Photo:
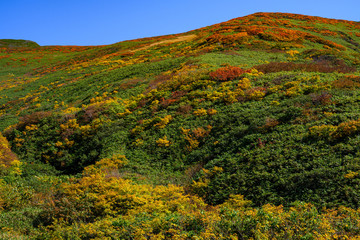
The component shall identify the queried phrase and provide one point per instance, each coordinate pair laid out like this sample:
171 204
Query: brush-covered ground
248 129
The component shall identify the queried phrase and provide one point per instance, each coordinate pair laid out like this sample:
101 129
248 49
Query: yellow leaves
125 113
19 141
2 112
69 143
163 142
292 53
200 187
72 123
31 127
193 143
8 160
138 129
163 122
107 165
351 175
71 110
244 84
116 161
195 135
255 94
328 114
108 196
139 142
274 103
347 128
84 129
331 132
211 111
322 130
236 202
3 142
200 112
15 167
254 72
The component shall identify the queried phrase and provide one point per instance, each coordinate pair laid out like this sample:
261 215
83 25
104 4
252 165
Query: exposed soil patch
178 39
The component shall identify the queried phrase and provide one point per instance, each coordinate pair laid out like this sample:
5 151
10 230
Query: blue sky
97 22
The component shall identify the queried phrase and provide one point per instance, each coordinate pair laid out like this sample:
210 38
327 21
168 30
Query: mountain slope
265 106
12 43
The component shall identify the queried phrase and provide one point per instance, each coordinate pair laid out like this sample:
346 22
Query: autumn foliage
227 73
7 157
246 129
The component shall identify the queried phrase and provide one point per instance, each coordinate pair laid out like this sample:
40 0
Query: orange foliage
348 82
322 66
231 39
283 35
227 73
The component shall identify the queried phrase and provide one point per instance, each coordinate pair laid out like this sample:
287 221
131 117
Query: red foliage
5 56
283 35
185 109
227 73
127 54
33 118
230 39
175 96
130 83
323 98
159 80
323 66
328 43
348 82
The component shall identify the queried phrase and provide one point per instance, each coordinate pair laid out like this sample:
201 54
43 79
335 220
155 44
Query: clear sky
98 22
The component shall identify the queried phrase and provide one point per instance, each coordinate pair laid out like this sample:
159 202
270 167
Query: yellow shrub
211 111
200 112
255 94
351 175
163 142
8 160
322 131
244 84
31 127
163 122
292 52
236 202
115 162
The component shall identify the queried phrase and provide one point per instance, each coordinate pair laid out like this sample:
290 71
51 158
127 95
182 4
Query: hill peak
15 43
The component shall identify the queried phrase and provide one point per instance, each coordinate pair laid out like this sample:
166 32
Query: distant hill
13 43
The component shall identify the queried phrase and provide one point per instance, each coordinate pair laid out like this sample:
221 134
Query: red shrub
323 98
185 109
348 82
227 73
32 118
322 66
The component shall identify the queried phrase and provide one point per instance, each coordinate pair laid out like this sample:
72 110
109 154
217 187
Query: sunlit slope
270 101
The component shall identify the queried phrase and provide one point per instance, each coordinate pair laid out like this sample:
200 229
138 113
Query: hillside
243 129
12 43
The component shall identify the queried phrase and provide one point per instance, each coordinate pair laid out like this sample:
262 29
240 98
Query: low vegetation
247 129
